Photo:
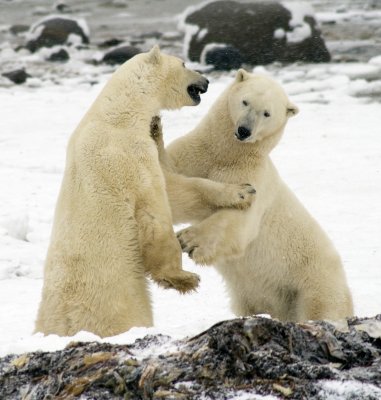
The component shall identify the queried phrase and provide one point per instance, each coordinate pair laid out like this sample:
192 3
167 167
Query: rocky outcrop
263 32
256 355
60 55
120 54
55 31
18 28
17 76
221 57
110 43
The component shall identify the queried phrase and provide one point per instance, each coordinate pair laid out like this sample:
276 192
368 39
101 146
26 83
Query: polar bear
274 257
193 199
112 225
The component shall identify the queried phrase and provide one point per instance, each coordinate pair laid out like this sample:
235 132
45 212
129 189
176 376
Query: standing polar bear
113 224
274 257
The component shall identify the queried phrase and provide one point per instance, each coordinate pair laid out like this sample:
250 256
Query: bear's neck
127 102
224 141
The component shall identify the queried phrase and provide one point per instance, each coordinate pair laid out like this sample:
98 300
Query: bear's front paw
201 252
182 281
239 196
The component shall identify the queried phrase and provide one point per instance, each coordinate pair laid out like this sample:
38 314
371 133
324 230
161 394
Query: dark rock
311 49
119 3
223 58
62 7
60 56
120 55
110 43
17 76
152 34
18 28
40 11
258 30
136 41
260 355
55 31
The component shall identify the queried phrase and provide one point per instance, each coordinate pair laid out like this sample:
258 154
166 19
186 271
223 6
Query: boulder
263 32
246 357
54 31
110 43
17 76
151 34
59 56
120 54
62 7
18 28
222 57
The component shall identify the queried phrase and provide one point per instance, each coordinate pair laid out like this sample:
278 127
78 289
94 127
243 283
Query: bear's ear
153 56
242 75
292 109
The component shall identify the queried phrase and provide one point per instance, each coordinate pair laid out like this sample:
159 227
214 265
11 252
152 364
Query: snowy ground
330 156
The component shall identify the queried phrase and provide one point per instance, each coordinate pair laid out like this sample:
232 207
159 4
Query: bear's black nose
242 133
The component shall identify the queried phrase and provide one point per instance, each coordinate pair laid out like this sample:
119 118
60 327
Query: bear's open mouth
196 89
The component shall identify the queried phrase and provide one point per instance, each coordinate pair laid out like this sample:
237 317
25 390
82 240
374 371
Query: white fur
113 222
275 257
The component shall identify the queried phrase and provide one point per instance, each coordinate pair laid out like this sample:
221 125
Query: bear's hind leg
333 306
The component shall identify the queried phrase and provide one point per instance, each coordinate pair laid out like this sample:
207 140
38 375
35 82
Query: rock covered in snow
18 28
60 55
61 6
263 32
110 43
17 76
53 31
314 360
120 54
222 57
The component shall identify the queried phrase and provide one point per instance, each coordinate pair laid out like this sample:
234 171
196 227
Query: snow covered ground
330 156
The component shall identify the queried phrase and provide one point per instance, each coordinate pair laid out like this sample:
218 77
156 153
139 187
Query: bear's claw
190 244
238 196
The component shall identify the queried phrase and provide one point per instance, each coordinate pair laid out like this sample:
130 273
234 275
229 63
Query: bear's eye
245 103
266 114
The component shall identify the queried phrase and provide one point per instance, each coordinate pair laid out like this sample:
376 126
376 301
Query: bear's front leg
161 250
166 270
156 239
162 258
194 199
224 234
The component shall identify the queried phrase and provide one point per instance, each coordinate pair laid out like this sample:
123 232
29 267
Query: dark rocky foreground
256 355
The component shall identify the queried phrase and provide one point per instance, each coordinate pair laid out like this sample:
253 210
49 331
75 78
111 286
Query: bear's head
178 85
258 107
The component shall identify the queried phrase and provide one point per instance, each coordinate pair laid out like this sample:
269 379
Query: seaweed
255 354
